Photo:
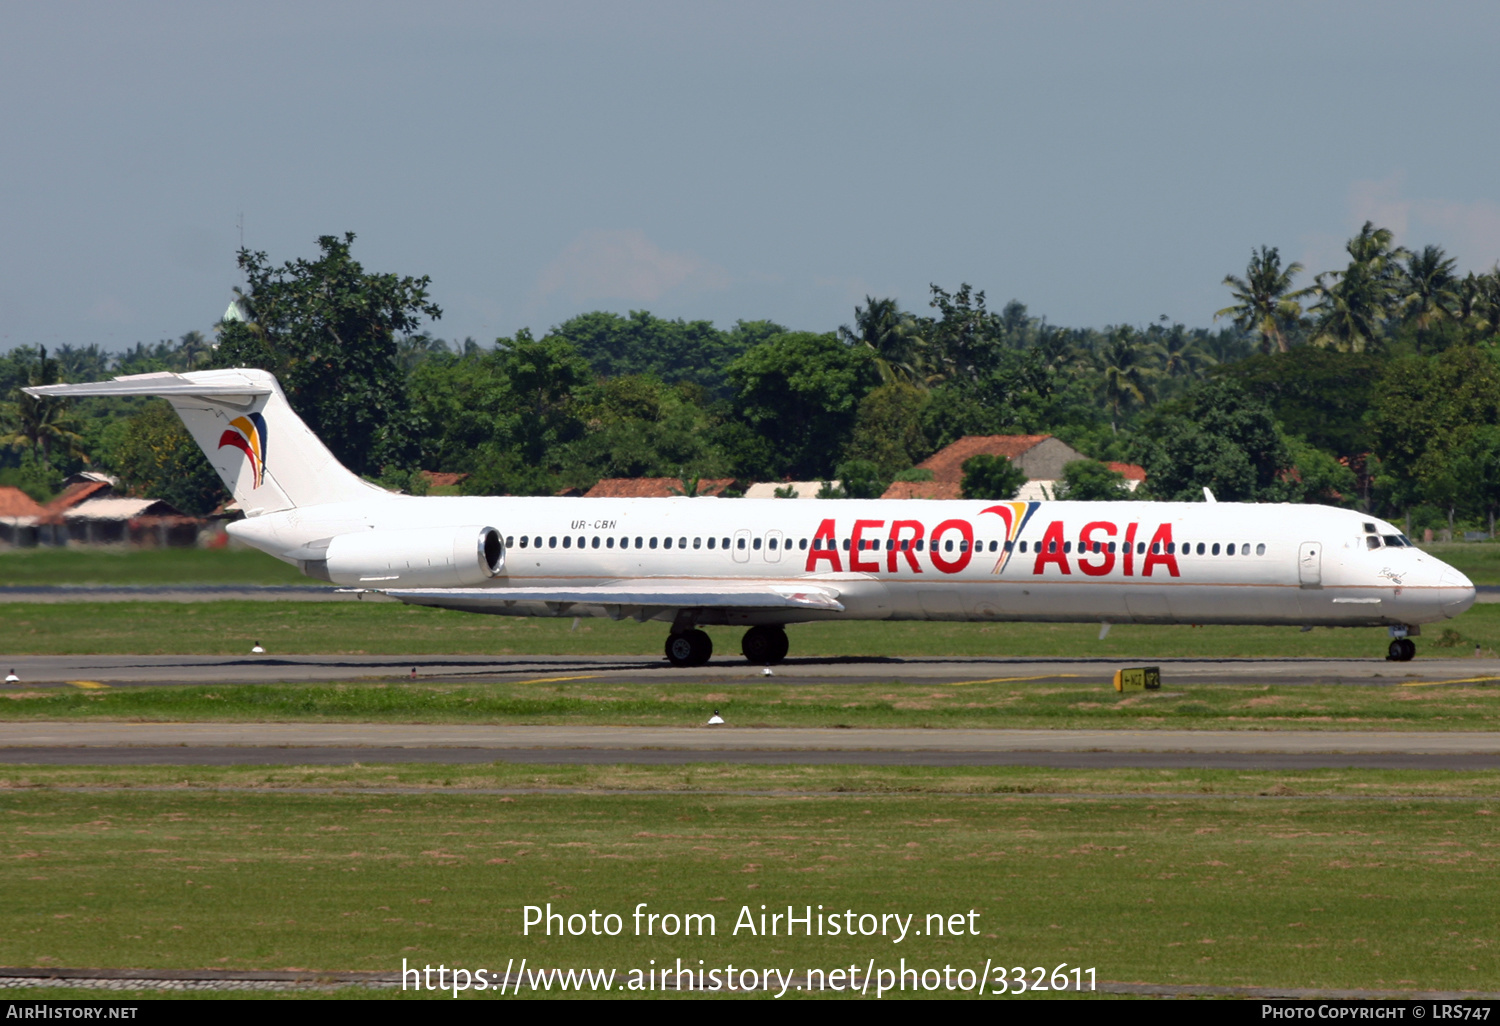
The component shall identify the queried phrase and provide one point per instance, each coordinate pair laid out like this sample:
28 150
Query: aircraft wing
622 599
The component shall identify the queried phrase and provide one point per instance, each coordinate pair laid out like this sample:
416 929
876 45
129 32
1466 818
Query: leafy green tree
1215 436
1091 481
156 457
1425 415
991 477
888 427
965 339
1321 395
673 351
861 479
1267 303
328 331
801 391
1319 476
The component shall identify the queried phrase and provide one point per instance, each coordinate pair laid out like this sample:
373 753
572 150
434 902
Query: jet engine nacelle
427 557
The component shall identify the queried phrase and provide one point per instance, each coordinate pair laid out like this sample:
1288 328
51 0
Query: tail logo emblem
248 434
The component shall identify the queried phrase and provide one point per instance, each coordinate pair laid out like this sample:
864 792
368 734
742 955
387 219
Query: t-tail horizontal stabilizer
267 457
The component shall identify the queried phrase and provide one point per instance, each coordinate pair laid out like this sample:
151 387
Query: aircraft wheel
1401 650
765 645
690 648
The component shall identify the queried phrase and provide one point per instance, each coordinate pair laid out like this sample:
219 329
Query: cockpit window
1394 541
1372 542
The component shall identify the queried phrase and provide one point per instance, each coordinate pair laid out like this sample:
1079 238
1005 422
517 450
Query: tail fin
267 457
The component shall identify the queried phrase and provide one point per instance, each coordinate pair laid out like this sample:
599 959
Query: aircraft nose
1455 592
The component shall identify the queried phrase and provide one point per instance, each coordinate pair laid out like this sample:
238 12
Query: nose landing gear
1401 650
765 645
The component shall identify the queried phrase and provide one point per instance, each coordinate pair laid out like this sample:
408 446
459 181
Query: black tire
764 646
1401 650
703 646
680 649
1410 648
689 648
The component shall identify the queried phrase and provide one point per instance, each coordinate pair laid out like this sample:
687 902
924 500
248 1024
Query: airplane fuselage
1116 562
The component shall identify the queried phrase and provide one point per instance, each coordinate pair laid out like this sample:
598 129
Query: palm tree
193 348
891 337
1127 364
1182 354
1354 304
1430 288
1266 298
37 425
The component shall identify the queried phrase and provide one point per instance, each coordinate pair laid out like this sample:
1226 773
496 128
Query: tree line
1372 386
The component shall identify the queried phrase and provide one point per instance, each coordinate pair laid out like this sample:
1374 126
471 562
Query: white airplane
762 564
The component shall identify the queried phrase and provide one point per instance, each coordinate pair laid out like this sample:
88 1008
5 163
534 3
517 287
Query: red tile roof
924 490
652 487
442 479
947 464
16 503
1130 471
81 492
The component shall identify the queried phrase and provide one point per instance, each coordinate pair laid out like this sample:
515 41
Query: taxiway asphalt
128 743
127 670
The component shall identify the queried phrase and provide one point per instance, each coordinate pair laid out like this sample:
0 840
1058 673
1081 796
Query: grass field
290 628
1011 704
116 565
120 565
1388 893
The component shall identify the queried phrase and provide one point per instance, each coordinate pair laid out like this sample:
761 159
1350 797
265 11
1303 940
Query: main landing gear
765 645
689 648
761 646
1401 650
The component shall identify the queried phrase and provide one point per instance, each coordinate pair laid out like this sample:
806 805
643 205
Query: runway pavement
114 743
124 671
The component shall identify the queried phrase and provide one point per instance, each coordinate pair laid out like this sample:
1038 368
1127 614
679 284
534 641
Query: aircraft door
773 547
1310 565
741 546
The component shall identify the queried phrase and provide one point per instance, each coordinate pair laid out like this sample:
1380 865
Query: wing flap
681 595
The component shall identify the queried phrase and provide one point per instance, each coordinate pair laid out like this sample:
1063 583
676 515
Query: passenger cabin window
1260 550
741 543
524 540
755 544
609 543
1200 548
1216 548
653 542
710 543
725 544
698 543
510 540
666 543
682 543
552 543
1230 550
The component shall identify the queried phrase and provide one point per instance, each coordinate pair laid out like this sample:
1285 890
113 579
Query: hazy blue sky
1100 162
